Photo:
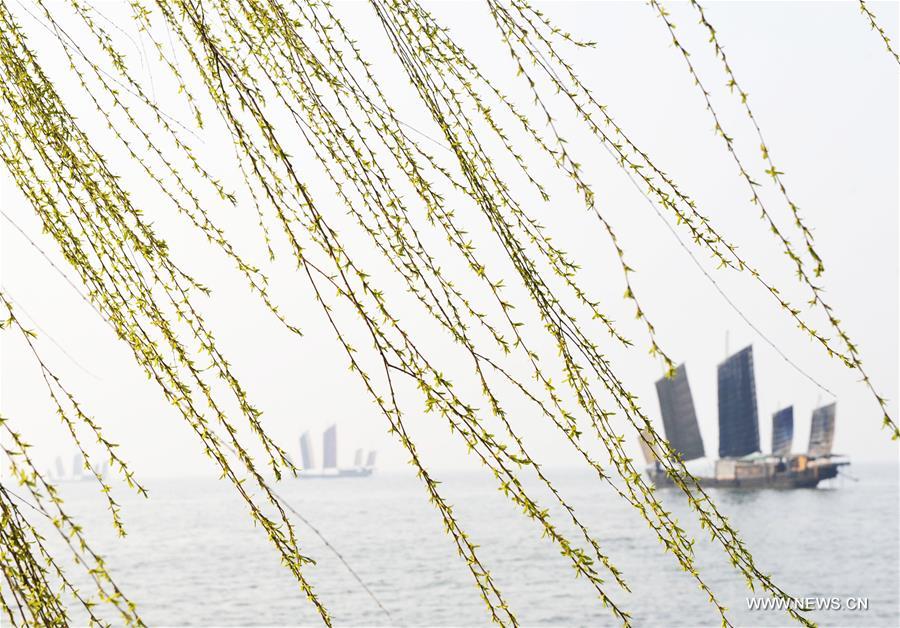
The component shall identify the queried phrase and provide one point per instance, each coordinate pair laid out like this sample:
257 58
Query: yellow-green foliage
254 59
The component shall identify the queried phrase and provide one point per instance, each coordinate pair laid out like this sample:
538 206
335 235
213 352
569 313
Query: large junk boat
330 467
741 463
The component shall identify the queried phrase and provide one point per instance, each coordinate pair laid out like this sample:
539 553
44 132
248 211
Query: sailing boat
79 473
330 467
741 463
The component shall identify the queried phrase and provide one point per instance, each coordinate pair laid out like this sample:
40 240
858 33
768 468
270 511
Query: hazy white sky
826 95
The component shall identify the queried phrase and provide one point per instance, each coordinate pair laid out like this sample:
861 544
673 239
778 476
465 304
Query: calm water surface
192 557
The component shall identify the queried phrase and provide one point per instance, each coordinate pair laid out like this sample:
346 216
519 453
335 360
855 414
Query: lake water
191 556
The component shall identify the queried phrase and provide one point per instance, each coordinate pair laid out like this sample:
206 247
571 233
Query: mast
738 418
782 431
306 452
679 417
821 433
329 448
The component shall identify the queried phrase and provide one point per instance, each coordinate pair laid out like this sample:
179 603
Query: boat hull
337 475
763 476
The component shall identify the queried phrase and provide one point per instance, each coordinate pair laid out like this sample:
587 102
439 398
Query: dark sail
329 448
738 419
679 418
782 431
821 434
370 459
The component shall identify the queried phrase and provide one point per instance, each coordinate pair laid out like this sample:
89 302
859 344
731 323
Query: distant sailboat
741 463
79 473
330 468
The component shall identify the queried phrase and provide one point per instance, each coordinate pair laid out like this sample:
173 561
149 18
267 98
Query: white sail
649 456
358 458
370 461
329 448
101 468
306 452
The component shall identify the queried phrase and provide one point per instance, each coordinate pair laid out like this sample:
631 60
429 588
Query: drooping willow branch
875 26
526 33
256 63
125 267
752 185
34 576
850 355
772 171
